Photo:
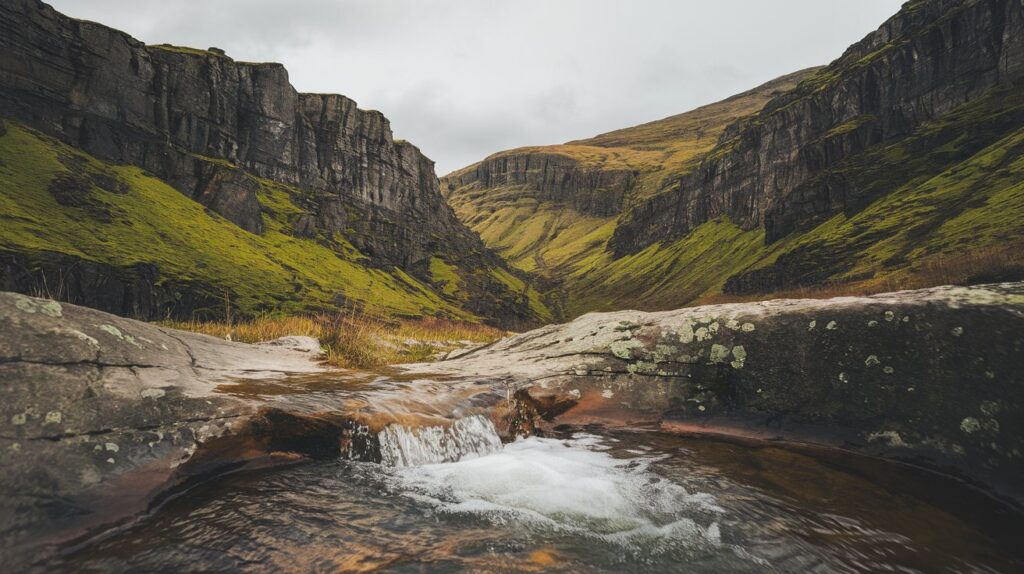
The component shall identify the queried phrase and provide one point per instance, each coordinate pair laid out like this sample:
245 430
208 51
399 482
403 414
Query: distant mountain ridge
904 151
312 170
551 209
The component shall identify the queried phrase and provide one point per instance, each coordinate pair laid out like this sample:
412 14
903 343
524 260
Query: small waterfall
401 446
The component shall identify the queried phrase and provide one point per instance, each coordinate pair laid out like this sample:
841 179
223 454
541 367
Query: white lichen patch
643 368
832 326
812 325
718 353
663 353
91 340
53 418
844 378
748 327
702 334
112 330
957 331
713 327
686 334
732 325
739 355
888 370
152 393
607 394
871 361
623 349
889 316
32 306
50 308
872 323
970 425
18 419
112 447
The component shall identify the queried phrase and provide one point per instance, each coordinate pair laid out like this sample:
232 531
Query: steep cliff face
218 131
551 209
775 169
899 165
590 187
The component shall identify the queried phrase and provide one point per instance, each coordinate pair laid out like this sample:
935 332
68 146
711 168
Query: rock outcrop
102 418
777 170
102 414
545 175
214 127
932 376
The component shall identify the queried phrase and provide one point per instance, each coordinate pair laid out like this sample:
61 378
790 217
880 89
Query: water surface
607 502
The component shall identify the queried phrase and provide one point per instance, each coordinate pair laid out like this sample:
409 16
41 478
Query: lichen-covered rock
99 415
935 375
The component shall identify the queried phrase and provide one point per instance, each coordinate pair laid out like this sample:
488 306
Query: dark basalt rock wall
772 170
590 190
191 117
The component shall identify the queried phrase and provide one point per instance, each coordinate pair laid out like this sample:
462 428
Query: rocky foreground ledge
933 376
102 418
99 415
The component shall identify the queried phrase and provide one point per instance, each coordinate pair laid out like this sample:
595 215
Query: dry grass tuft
357 341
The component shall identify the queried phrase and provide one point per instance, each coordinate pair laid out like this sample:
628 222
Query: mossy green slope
57 200
553 240
954 186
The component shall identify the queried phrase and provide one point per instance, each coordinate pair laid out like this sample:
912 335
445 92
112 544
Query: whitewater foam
573 486
467 437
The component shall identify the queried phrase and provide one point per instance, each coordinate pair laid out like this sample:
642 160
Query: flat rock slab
935 376
100 414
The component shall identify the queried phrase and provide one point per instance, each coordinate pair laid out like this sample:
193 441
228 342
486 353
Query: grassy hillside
948 206
944 204
553 240
58 201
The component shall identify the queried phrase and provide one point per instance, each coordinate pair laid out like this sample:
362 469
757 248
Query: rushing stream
458 500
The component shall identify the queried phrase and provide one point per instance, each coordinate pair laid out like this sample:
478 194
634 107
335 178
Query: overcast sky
465 78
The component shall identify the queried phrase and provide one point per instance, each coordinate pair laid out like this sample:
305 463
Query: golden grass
357 341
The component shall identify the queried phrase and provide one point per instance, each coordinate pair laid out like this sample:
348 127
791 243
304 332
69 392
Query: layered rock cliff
896 166
589 187
549 208
218 130
775 170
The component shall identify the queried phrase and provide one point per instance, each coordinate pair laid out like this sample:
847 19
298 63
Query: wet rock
949 383
99 414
